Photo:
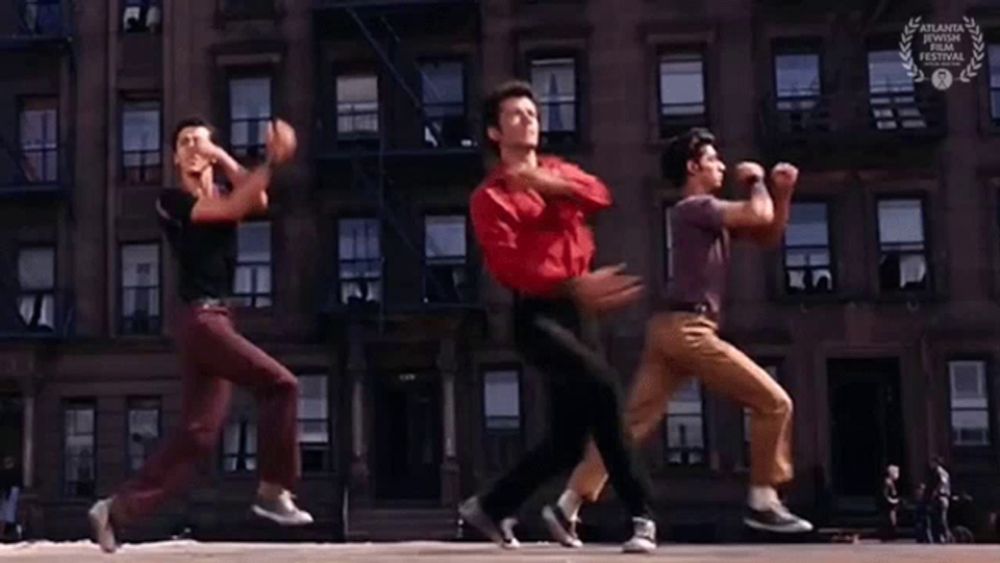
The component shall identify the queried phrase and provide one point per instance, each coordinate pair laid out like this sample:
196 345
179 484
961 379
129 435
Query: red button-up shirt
530 244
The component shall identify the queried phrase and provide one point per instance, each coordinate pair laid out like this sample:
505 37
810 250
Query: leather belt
696 308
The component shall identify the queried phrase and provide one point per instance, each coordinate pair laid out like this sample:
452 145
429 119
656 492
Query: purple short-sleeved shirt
700 252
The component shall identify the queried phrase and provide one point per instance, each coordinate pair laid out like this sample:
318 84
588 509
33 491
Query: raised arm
248 193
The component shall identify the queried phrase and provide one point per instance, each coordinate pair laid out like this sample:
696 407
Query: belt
207 303
696 308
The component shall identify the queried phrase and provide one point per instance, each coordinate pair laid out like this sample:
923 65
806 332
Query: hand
208 150
749 173
281 141
783 179
605 289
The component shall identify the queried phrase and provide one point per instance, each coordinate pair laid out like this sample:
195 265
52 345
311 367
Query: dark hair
493 101
193 121
682 148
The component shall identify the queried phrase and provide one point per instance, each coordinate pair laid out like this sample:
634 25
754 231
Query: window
902 249
682 92
140 296
771 370
252 282
891 93
40 140
444 252
502 414
42 17
443 94
797 90
554 83
314 422
78 449
796 80
357 106
239 445
141 16
668 242
249 114
141 142
143 430
994 58
36 276
360 261
970 410
686 426
807 250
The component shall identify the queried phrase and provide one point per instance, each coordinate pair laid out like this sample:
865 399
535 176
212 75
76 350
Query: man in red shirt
528 216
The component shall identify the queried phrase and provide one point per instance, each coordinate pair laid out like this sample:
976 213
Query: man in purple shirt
683 342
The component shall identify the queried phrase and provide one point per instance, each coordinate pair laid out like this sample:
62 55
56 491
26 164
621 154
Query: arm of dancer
783 180
236 174
248 187
563 180
496 226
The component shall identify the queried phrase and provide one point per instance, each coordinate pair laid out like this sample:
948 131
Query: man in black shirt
200 224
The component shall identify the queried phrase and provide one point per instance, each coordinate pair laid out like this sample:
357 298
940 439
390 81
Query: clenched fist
783 179
281 142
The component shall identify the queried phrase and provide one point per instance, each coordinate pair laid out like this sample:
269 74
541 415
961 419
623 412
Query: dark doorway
11 433
408 436
866 426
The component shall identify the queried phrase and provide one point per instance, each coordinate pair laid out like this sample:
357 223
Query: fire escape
35 157
420 136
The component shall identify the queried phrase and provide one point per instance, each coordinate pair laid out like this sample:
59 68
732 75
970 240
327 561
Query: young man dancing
684 342
528 216
200 224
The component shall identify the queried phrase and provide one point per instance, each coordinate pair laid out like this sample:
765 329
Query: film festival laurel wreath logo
941 50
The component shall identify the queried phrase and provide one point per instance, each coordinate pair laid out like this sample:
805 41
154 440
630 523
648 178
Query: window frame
71 404
830 249
685 452
130 403
327 449
157 321
341 260
668 126
991 427
254 299
568 138
155 171
931 284
495 438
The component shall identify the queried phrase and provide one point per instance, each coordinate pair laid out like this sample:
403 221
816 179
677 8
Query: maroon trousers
213 357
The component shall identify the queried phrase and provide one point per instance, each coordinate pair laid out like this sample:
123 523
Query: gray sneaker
502 534
100 522
282 510
643 537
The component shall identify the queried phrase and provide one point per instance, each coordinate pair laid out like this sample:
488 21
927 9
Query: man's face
709 170
894 472
518 122
188 156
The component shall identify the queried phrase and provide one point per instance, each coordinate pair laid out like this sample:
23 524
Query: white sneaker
643 538
100 521
472 512
282 510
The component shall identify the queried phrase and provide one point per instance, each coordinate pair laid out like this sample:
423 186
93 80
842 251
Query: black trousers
584 400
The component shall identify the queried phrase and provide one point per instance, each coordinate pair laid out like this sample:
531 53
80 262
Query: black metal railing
853 118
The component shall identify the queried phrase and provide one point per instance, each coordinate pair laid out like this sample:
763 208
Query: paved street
420 552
